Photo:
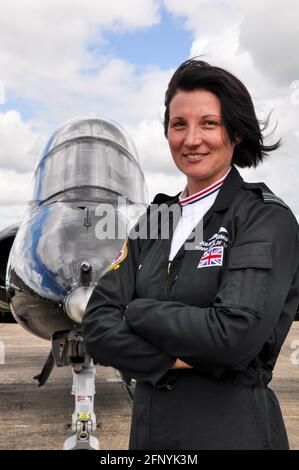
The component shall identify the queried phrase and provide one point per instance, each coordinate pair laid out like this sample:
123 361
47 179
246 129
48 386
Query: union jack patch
212 257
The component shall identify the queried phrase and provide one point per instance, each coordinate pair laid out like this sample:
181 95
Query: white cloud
256 41
117 91
280 172
19 151
153 148
62 71
269 31
10 215
164 183
15 187
203 16
47 42
2 93
48 38
227 34
160 172
20 145
54 68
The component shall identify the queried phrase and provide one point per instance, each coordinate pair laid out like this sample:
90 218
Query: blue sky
27 108
165 44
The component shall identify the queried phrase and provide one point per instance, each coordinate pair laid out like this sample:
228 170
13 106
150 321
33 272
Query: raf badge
119 258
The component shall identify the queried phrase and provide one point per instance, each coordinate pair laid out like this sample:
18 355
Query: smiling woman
200 326
198 141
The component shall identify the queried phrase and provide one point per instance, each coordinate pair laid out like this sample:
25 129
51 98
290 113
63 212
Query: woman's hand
181 365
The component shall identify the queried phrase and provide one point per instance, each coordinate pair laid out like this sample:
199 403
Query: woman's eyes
178 124
210 123
207 123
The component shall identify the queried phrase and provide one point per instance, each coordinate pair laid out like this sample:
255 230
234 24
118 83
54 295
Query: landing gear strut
68 349
83 418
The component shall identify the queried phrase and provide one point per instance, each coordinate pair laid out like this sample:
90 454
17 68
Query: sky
63 58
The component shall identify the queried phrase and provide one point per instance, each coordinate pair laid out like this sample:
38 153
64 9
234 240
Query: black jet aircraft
50 262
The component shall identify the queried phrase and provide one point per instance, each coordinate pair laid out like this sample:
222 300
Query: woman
200 327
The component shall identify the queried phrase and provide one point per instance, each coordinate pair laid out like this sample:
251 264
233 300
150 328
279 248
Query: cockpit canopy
90 152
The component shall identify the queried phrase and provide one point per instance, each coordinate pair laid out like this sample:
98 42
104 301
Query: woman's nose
193 137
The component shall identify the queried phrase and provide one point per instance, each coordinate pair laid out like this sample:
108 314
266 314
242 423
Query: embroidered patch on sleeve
119 258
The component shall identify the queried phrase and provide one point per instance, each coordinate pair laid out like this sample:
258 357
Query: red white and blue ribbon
203 193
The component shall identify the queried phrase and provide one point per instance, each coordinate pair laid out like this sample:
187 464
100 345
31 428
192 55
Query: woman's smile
195 156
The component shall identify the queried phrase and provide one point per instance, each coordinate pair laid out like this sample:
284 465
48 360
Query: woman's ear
238 138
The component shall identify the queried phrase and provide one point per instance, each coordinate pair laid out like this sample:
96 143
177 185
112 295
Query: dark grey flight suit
228 319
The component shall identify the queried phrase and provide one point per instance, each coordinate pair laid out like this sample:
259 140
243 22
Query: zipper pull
168 267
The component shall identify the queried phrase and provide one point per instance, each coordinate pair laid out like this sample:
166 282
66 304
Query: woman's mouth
193 157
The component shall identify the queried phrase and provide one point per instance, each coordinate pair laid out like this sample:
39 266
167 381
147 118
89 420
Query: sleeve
107 337
262 273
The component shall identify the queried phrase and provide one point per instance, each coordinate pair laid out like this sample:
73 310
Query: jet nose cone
76 302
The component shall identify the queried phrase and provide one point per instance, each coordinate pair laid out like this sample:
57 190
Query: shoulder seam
265 192
270 197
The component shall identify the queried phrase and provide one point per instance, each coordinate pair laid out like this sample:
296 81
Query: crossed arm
146 337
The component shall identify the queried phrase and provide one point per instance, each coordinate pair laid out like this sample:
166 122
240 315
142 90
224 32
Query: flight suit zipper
169 382
167 278
170 280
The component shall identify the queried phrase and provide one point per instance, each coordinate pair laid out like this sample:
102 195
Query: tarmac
35 417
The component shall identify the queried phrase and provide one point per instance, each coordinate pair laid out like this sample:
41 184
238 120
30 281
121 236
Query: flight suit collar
225 196
228 190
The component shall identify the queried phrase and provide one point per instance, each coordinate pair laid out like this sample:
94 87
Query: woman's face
198 142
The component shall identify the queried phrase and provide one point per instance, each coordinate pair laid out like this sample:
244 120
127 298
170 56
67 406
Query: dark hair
238 114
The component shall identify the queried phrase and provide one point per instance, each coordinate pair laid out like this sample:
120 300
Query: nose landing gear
83 418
